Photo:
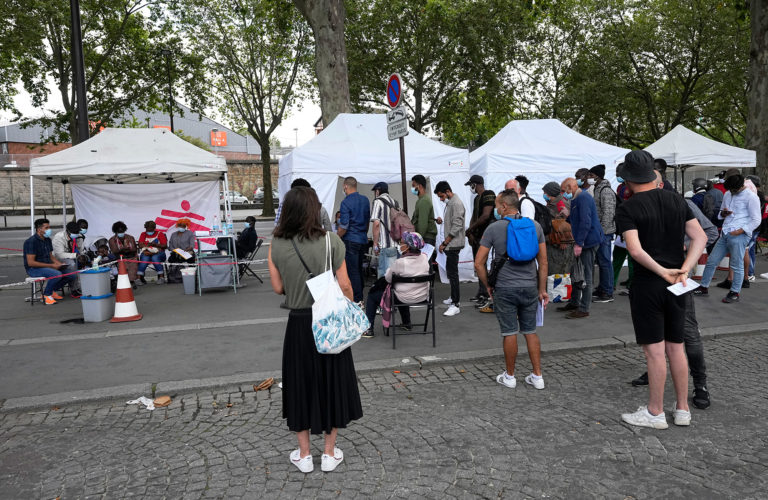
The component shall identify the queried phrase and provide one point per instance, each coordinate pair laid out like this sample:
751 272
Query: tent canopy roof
546 146
681 146
128 155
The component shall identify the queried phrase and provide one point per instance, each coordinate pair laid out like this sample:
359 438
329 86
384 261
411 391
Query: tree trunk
266 176
326 18
757 119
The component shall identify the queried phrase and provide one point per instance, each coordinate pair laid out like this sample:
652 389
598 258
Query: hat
475 179
381 187
551 188
731 172
413 240
598 170
638 167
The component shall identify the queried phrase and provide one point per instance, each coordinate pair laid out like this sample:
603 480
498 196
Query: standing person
587 235
699 186
605 202
582 181
620 253
423 217
654 222
152 245
559 257
384 246
181 239
713 200
741 216
325 220
750 275
527 210
482 216
320 393
353 231
123 246
453 242
519 290
40 262
660 165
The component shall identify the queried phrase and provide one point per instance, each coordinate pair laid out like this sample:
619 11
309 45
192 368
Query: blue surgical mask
496 213
568 196
73 236
619 180
121 235
48 232
546 197
415 191
150 233
181 229
83 231
579 182
246 225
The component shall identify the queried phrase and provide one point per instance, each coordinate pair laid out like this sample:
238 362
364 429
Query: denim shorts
516 309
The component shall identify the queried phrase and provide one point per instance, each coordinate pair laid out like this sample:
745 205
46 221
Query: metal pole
402 175
78 70
64 204
32 203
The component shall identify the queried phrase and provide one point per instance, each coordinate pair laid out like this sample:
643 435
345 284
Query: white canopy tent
543 151
357 145
115 162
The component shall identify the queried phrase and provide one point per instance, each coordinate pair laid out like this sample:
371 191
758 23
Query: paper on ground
679 289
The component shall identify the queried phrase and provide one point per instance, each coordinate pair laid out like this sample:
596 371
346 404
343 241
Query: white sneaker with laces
510 382
538 383
305 464
452 311
751 278
681 417
643 418
448 301
328 463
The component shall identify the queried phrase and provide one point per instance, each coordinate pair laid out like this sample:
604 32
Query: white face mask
591 181
473 189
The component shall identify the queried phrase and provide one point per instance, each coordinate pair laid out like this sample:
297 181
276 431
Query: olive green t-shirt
292 271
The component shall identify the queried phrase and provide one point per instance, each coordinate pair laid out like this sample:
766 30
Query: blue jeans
752 244
515 309
727 244
54 283
604 263
386 257
156 259
354 258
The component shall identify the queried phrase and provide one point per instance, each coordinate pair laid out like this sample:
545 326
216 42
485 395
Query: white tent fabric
357 145
543 151
681 146
131 155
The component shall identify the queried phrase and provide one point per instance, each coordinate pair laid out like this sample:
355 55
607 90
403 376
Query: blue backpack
522 242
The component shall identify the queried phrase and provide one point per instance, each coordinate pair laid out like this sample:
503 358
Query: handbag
337 322
561 232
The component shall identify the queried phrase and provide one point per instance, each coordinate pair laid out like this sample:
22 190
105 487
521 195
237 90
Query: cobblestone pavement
435 432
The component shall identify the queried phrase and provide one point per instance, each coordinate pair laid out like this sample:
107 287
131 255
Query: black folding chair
245 267
428 304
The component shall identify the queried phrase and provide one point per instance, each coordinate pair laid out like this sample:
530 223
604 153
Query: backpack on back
522 242
398 220
541 214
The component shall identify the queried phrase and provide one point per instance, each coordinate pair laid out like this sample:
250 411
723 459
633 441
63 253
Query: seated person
123 246
103 257
246 241
152 245
181 239
40 262
411 262
68 247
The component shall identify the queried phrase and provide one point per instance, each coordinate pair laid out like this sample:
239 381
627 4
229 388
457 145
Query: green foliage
196 141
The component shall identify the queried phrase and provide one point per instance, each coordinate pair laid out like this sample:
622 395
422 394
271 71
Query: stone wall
246 177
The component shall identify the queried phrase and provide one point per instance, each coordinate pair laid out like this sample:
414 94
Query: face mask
73 236
568 196
546 198
181 229
579 182
121 235
150 233
473 189
496 214
83 231
415 191
619 180
48 232
246 225
591 181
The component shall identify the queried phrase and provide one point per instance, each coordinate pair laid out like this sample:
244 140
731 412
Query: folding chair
428 304
245 268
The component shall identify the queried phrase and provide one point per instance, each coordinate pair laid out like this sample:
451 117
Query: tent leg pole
64 204
227 206
32 203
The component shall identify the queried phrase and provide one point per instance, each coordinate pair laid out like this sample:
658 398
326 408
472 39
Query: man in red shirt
152 245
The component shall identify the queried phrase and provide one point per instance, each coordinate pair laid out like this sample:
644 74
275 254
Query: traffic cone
125 305
698 273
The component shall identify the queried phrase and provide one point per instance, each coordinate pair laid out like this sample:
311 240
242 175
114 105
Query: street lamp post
167 53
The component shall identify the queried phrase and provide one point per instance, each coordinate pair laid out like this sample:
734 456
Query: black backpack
541 215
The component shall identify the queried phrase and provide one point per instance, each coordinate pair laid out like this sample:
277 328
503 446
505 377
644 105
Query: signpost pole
402 175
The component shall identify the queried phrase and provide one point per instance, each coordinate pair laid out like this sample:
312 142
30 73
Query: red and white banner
104 204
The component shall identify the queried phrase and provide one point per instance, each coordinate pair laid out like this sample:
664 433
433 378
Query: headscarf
186 222
414 241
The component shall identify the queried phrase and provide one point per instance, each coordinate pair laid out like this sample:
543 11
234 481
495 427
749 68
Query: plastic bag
559 287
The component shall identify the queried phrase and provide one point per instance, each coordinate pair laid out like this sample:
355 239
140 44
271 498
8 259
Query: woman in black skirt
320 391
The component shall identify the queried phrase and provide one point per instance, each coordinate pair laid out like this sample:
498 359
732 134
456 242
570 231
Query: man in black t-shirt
482 216
654 222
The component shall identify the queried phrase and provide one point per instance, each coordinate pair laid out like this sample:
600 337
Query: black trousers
452 270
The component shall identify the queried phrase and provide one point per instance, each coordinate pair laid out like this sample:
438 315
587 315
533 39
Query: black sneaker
407 328
701 398
368 334
641 380
143 281
701 291
603 297
479 298
482 303
745 284
731 297
726 283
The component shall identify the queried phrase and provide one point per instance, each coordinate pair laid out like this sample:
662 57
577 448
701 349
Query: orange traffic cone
125 305
698 273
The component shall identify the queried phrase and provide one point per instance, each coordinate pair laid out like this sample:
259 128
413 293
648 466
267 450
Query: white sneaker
682 417
510 382
305 464
160 281
751 278
452 311
643 418
764 275
536 382
448 301
328 463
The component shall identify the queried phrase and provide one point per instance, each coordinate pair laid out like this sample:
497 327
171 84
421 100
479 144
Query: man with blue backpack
517 282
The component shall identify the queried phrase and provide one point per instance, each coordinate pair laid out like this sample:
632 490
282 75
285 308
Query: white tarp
682 146
357 145
543 151
104 204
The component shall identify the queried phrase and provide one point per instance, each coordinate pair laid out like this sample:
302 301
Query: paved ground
442 431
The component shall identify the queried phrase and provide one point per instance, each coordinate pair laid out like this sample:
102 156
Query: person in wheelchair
409 263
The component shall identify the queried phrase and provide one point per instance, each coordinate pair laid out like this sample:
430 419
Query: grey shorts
515 309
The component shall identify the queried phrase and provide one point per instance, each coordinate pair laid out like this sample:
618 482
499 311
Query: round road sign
394 90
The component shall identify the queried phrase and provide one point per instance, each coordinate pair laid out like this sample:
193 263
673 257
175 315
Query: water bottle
230 226
215 227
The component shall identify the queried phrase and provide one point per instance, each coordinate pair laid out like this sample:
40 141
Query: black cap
638 167
381 187
475 179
